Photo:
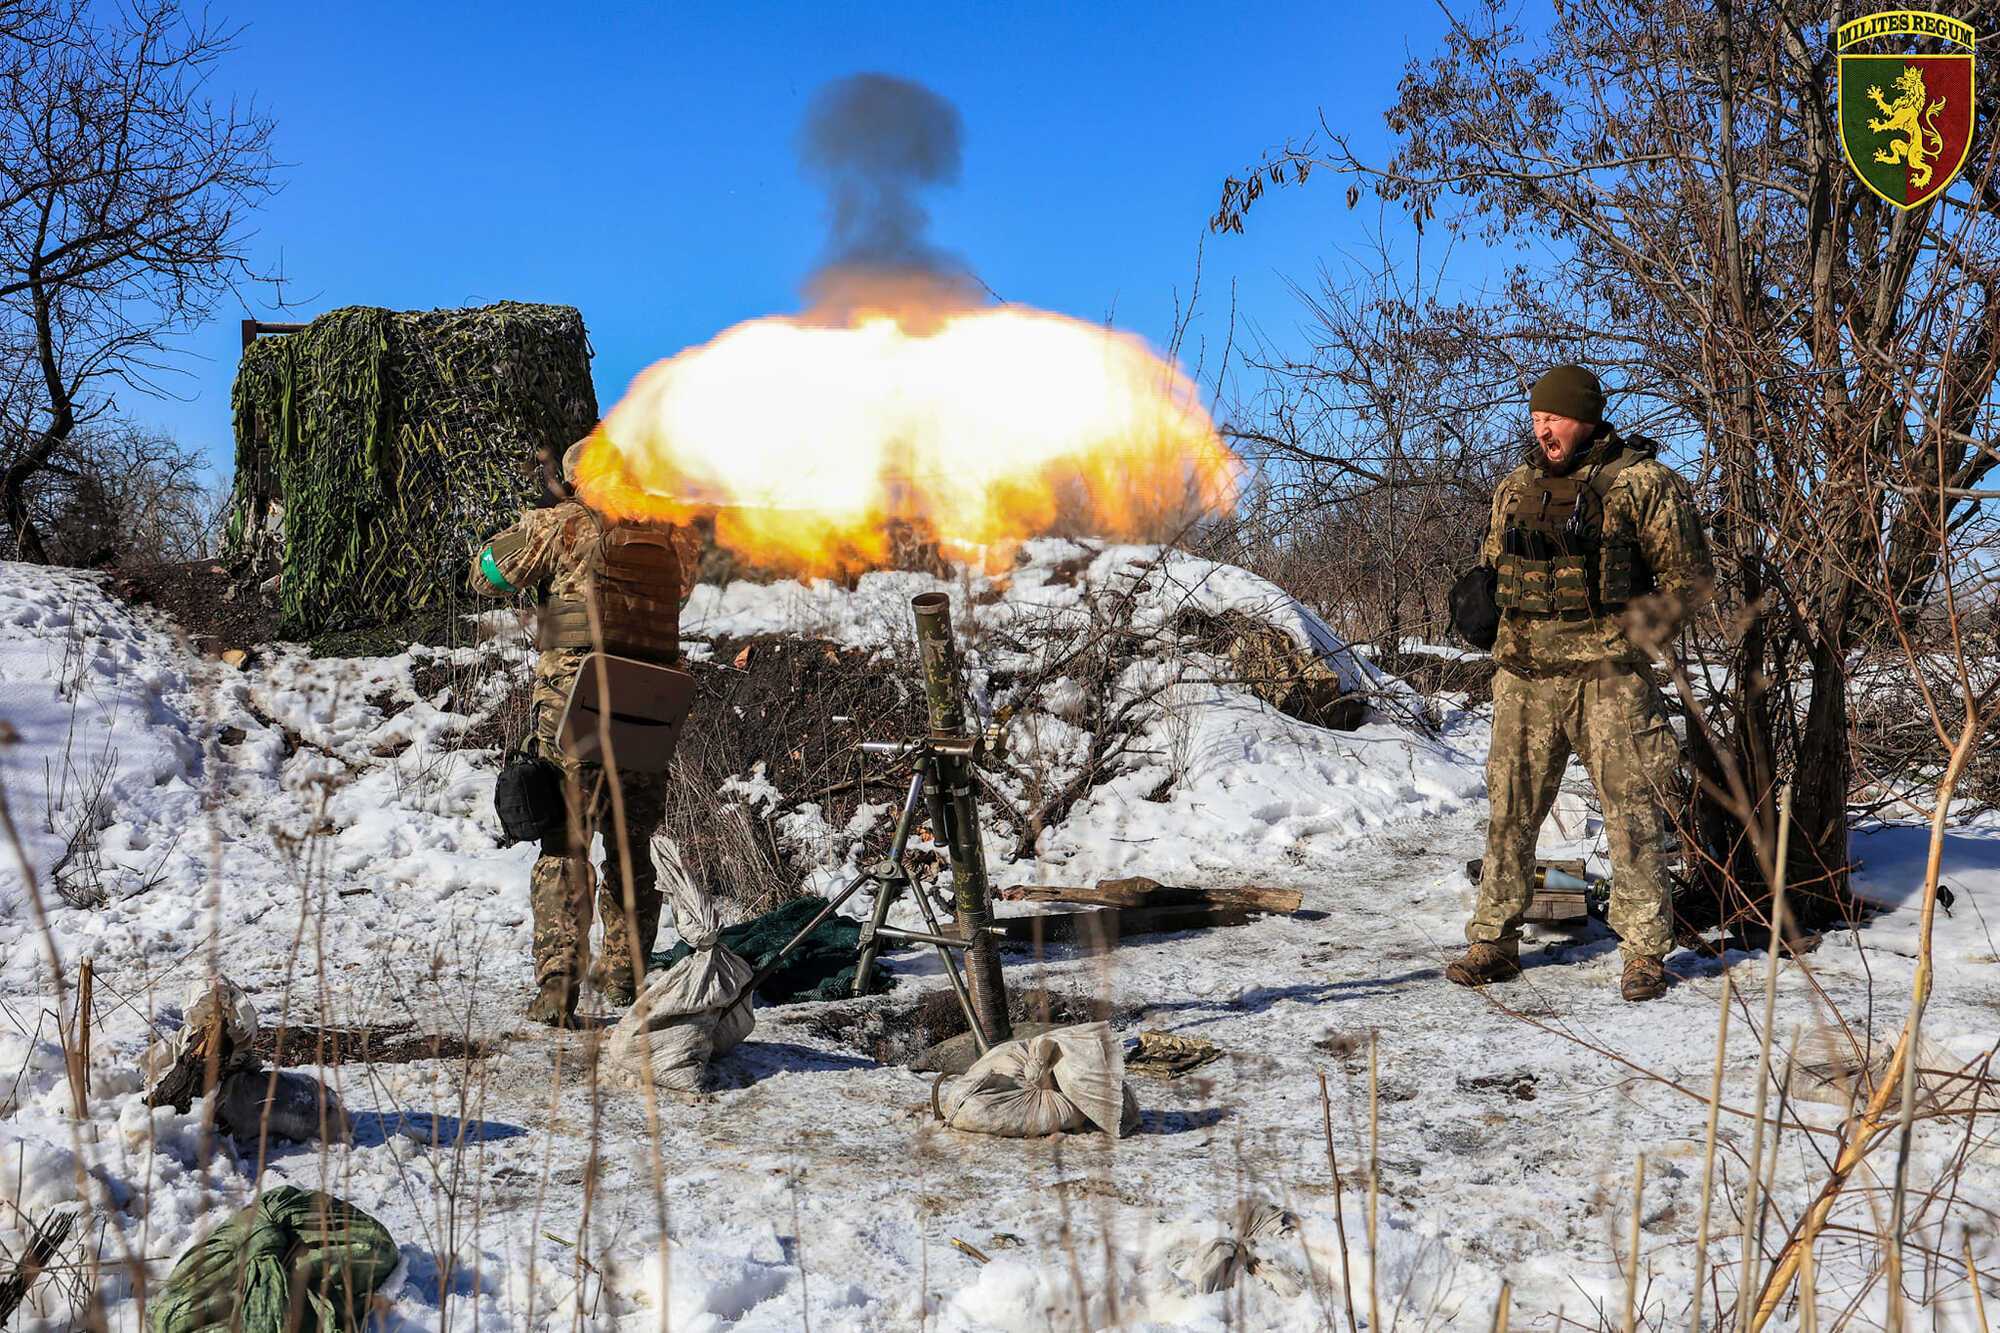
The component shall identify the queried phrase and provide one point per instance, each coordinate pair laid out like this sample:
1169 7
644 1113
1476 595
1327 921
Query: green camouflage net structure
394 443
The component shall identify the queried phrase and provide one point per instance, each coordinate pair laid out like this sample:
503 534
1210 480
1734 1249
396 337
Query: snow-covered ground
297 826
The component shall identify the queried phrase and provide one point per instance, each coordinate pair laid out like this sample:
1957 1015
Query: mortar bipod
891 877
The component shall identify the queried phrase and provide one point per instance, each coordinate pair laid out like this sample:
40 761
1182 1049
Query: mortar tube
938 652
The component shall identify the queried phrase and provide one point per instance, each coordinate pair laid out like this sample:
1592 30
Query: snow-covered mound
1135 745
322 832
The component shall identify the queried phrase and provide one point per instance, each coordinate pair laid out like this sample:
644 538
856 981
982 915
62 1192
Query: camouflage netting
393 443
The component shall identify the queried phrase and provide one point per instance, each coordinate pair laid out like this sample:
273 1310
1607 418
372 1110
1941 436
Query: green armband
491 569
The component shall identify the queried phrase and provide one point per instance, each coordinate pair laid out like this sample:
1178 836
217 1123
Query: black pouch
1475 607
1623 572
528 797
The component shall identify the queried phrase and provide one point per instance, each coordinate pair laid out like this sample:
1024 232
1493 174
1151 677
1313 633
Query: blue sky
638 161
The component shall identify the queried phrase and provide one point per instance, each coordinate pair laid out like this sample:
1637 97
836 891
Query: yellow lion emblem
1913 116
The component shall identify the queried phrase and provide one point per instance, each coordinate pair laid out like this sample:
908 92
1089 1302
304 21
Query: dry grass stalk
1339 1211
1874 1121
76 1045
1897 1215
1972 1277
1708 1154
1374 1183
628 904
1752 1196
1632 1272
1808 1297
1778 1124
1500 1311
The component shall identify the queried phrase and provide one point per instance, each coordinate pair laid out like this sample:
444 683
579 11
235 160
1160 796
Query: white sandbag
239 1015
205 998
1264 1244
697 1009
298 1109
1063 1081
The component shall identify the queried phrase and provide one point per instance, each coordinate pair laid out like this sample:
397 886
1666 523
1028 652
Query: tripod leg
950 968
885 895
888 885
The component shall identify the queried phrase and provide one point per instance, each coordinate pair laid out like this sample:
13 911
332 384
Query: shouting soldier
615 587
1599 557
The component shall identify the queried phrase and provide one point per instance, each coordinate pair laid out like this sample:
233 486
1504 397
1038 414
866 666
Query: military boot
1483 962
554 1003
614 981
1644 979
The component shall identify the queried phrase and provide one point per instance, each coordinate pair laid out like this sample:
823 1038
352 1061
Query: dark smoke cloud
874 143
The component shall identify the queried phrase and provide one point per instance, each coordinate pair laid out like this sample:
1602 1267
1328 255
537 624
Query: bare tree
1677 166
123 189
1377 449
115 493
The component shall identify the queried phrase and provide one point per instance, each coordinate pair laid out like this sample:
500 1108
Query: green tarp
298 1262
821 968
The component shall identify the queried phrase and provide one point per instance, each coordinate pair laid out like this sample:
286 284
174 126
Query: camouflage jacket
627 573
1652 502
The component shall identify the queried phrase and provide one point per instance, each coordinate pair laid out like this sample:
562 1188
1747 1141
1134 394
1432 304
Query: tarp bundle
821 968
395 442
298 1260
697 1009
1060 1082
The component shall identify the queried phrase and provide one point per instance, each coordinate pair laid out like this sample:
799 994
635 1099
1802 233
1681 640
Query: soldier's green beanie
1568 391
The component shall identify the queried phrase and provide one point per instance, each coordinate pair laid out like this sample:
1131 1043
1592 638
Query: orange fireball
984 426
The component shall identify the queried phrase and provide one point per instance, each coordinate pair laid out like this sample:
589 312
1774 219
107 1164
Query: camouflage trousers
1616 724
562 885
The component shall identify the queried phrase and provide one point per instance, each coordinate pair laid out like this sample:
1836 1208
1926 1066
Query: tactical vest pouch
528 797
1523 585
1619 571
1569 583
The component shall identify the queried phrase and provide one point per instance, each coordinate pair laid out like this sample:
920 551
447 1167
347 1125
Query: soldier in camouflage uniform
616 586
1600 557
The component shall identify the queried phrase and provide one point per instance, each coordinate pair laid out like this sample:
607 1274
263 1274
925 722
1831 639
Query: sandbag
697 1009
297 1260
1060 1082
298 1109
1263 1243
220 1023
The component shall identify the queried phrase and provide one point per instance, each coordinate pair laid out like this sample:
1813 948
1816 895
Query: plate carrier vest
1555 557
635 575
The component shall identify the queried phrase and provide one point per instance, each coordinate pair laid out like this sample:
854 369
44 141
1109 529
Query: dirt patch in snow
205 600
381 1044
896 1031
1518 1086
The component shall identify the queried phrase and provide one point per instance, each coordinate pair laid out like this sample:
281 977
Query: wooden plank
1139 891
1100 928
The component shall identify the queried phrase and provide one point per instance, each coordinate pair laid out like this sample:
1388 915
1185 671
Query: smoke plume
874 142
